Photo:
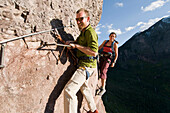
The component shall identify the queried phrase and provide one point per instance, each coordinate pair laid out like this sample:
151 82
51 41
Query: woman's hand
112 65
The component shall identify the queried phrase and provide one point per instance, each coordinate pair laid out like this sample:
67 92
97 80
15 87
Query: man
87 50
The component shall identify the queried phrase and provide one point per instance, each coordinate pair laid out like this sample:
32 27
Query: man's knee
68 93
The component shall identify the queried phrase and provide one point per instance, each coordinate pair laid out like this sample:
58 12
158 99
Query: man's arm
65 42
85 50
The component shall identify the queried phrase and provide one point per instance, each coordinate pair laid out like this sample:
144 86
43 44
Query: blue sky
127 17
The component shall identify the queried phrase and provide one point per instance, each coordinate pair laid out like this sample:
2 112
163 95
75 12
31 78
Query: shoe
102 91
96 111
97 91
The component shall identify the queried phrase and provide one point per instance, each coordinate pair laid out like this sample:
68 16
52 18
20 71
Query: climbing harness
101 50
84 68
106 55
87 73
87 58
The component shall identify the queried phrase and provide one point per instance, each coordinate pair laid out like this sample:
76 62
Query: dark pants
104 63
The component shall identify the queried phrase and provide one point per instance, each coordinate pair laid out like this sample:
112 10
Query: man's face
82 20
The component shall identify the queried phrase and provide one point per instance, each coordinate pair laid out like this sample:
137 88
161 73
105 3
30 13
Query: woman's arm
102 45
116 55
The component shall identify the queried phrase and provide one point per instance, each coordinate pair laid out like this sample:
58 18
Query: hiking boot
96 111
97 91
102 91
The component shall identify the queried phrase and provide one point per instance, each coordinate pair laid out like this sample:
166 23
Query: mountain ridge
139 83
149 43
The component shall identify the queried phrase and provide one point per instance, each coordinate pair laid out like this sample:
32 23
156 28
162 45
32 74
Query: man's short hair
84 10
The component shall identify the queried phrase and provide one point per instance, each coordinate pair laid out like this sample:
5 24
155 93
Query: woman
108 50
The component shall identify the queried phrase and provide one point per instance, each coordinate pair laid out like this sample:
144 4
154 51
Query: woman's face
112 37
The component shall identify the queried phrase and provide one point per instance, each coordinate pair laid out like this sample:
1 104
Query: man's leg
71 88
87 92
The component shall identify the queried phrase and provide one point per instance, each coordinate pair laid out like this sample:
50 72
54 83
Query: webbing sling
87 73
87 58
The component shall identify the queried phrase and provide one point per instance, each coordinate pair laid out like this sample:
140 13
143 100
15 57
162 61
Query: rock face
35 70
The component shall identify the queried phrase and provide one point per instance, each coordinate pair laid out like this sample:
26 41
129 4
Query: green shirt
88 38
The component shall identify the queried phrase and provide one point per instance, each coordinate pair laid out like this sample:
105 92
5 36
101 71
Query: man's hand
73 45
59 37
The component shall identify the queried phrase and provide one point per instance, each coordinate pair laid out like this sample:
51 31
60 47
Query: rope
21 37
63 45
61 53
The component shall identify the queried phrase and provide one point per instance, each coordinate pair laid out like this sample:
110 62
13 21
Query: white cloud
133 27
110 26
145 25
98 29
110 29
119 4
139 23
117 31
130 28
150 23
168 11
154 5
98 25
103 26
